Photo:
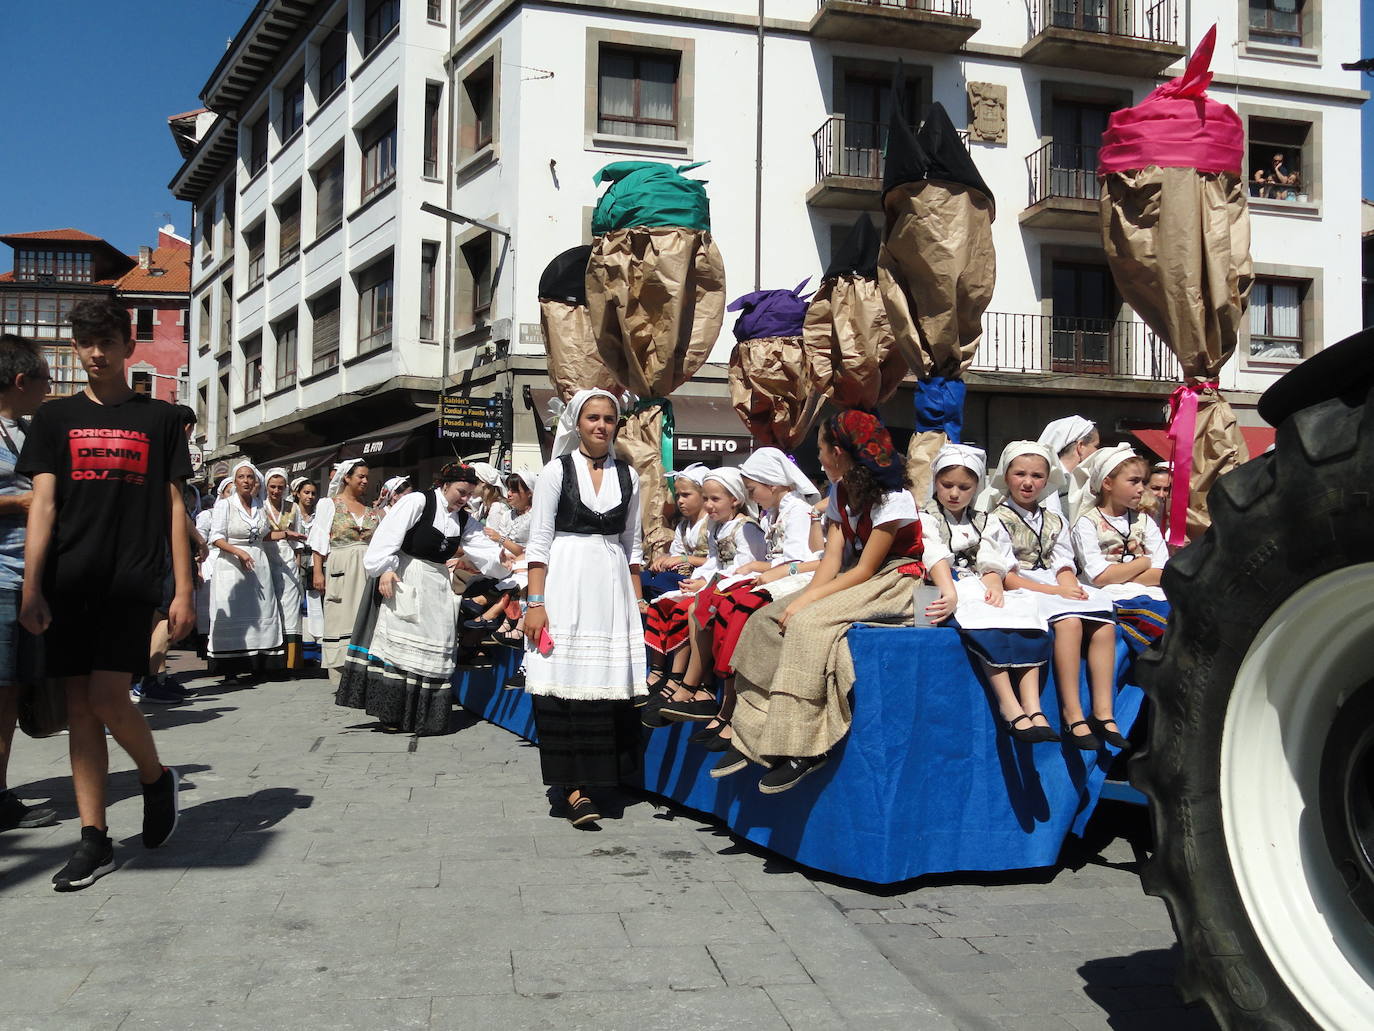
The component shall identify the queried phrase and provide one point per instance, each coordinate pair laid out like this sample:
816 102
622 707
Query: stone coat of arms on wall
987 112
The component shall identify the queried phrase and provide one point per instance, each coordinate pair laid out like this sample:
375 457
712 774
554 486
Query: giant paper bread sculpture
1176 226
770 382
574 363
656 299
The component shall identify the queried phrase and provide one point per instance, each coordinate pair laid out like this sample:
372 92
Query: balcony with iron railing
1108 350
1064 188
1126 37
849 164
941 25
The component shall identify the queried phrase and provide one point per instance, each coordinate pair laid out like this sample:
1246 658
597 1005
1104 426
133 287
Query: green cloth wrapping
649 193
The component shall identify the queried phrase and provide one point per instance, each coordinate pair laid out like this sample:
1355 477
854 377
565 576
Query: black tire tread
1279 522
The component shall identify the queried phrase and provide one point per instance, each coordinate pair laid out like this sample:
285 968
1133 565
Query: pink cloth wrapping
1177 126
1182 430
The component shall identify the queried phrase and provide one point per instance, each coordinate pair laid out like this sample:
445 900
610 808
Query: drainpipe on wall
448 195
758 163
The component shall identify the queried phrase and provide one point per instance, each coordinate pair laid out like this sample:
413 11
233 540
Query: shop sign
706 445
477 421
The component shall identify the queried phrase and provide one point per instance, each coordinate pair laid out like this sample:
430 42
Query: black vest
423 541
573 516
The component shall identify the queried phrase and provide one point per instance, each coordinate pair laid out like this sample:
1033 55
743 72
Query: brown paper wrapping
574 363
1178 243
656 298
920 453
936 272
640 442
848 344
771 390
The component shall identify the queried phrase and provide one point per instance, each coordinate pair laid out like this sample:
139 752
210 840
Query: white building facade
533 98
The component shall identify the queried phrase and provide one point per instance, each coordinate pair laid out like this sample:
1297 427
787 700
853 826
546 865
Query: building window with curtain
329 186
1277 21
252 369
375 303
1276 319
324 314
379 153
285 332
434 11
293 105
257 145
289 228
637 92
333 62
429 261
379 18
433 96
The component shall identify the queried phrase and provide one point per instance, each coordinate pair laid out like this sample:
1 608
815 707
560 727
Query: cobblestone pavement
329 876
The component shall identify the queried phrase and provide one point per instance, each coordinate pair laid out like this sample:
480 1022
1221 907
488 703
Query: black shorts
90 632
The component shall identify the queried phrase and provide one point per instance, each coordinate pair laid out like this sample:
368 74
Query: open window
1278 153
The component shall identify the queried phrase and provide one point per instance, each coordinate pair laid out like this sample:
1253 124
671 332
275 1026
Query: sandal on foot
693 709
1110 735
707 732
582 811
1087 742
650 713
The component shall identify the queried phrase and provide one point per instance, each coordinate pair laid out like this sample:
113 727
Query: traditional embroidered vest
906 542
345 529
573 515
283 519
692 539
1032 551
424 541
968 558
728 541
1113 544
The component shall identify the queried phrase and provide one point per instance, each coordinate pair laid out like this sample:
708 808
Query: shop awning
1258 439
390 439
301 463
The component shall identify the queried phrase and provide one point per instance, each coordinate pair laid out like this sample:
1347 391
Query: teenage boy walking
23 385
107 466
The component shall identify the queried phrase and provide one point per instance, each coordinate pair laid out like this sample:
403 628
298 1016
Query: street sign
197 458
479 421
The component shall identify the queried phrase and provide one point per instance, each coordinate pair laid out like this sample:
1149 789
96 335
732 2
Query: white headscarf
565 441
769 465
1015 450
261 493
296 483
526 476
341 472
228 481
491 476
730 478
277 470
1062 432
388 492
1093 470
974 459
694 473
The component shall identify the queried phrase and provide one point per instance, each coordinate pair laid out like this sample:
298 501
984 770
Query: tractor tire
1259 765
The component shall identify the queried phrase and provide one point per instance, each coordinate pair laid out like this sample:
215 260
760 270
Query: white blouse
1060 556
255 519
1095 563
962 536
384 550
794 517
549 488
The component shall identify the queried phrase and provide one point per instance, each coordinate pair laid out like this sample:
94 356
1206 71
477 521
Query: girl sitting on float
1036 546
734 540
688 550
793 670
1119 545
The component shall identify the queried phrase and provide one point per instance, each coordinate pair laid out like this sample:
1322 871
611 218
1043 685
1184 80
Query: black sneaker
92 860
161 813
731 762
788 772
583 811
14 813
163 692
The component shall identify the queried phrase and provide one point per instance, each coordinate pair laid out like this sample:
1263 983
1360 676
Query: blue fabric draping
939 406
925 782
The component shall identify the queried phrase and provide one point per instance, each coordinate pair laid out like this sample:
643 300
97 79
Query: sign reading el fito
706 445
474 420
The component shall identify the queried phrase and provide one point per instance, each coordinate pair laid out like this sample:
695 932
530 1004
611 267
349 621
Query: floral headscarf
866 440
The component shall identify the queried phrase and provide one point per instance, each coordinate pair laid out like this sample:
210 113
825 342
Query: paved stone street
329 876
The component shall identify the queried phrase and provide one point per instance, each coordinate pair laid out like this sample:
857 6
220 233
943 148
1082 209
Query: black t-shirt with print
113 464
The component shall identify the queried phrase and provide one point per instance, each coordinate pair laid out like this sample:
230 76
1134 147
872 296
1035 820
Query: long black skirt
587 744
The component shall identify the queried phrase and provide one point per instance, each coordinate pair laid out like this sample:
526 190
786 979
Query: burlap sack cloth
936 273
574 363
771 389
640 442
792 690
848 344
1178 243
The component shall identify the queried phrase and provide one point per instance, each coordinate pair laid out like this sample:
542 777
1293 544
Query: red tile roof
64 235
175 263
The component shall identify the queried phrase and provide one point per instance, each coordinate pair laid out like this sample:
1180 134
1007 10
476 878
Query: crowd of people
741 628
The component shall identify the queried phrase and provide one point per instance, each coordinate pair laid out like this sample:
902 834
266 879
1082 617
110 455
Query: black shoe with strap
1045 733
693 709
650 713
1087 742
1108 732
583 811
1027 734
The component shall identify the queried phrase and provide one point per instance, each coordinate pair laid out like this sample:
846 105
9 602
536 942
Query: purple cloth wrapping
770 313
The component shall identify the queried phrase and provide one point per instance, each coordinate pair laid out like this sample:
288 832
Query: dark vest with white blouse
573 515
424 541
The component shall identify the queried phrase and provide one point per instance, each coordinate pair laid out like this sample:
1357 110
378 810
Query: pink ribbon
1183 432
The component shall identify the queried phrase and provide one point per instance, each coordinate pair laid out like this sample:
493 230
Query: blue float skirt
1008 649
939 404
660 583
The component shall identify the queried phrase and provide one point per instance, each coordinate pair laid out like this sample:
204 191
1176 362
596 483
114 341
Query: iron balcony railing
1074 346
851 148
1063 170
1153 22
953 8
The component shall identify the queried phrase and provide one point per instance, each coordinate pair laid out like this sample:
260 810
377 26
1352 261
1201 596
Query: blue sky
95 153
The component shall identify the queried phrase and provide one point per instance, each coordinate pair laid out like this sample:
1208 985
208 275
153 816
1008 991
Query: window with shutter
329 194
289 228
324 314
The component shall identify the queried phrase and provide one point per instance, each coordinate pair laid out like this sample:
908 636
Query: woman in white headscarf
245 622
283 536
489 503
207 565
306 493
344 525
393 490
585 663
1071 440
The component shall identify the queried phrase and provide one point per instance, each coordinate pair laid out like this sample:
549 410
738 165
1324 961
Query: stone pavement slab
329 876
